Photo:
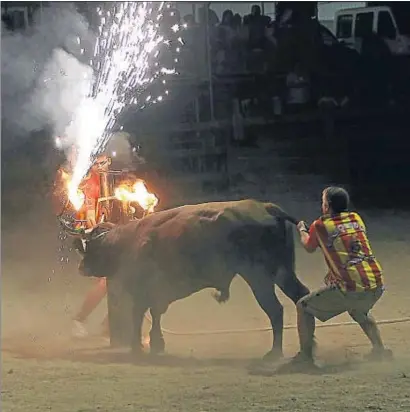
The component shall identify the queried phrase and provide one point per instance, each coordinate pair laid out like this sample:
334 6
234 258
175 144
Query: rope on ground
267 329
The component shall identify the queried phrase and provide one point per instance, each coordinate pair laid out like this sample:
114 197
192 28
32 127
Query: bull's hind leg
290 284
139 309
157 343
264 292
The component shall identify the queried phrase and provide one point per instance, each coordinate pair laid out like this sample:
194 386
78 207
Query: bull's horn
67 227
99 235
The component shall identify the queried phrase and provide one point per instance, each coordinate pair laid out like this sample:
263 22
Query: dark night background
363 145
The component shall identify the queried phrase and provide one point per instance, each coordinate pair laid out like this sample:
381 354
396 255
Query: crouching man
354 282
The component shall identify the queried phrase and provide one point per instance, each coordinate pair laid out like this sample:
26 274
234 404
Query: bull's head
88 243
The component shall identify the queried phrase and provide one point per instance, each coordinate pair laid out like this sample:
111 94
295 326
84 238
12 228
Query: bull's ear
100 231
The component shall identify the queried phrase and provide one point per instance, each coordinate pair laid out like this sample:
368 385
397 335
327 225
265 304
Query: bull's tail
290 247
289 244
276 211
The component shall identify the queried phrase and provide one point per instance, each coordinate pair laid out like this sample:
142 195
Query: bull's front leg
157 343
139 310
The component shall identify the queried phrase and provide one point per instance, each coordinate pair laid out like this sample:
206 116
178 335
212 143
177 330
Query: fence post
209 62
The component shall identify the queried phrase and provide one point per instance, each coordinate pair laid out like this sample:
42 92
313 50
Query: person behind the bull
354 282
90 210
118 154
87 215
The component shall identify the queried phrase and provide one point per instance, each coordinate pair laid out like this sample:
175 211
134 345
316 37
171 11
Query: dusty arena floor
44 369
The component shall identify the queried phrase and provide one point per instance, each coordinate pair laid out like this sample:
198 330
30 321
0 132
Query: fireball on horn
136 192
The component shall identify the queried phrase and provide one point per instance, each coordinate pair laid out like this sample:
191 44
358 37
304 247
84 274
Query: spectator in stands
285 20
239 43
225 35
227 19
256 24
226 32
298 89
213 19
237 22
191 48
7 22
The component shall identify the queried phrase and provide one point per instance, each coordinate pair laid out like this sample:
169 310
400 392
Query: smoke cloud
45 73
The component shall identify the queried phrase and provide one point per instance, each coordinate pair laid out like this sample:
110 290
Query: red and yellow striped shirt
347 251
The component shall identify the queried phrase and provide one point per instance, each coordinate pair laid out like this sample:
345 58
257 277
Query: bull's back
209 234
217 219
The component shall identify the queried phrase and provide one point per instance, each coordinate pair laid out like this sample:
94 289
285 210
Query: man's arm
91 190
308 237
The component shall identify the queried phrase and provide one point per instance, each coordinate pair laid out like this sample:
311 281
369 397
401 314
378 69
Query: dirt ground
43 368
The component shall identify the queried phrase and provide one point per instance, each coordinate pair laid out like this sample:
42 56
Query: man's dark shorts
329 301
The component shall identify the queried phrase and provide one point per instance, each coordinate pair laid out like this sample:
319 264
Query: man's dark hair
256 10
338 199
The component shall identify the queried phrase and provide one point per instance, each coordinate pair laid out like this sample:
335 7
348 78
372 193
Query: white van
392 24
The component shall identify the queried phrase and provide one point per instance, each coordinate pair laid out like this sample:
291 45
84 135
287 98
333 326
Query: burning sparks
124 58
75 195
138 193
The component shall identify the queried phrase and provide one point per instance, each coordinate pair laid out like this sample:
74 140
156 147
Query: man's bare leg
306 331
369 327
93 298
371 330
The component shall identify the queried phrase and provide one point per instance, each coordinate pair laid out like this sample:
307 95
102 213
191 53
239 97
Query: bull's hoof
273 355
157 346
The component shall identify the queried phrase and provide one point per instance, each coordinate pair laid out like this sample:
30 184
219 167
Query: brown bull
172 254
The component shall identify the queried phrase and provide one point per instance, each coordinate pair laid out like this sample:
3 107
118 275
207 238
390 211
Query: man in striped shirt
354 282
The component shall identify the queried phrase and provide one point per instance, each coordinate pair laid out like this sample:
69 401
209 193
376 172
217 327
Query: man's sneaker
79 330
379 355
299 363
302 359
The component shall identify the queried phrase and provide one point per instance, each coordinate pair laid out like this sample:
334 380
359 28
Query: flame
126 57
126 192
75 195
138 193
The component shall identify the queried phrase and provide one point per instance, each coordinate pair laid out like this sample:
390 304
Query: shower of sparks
125 58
